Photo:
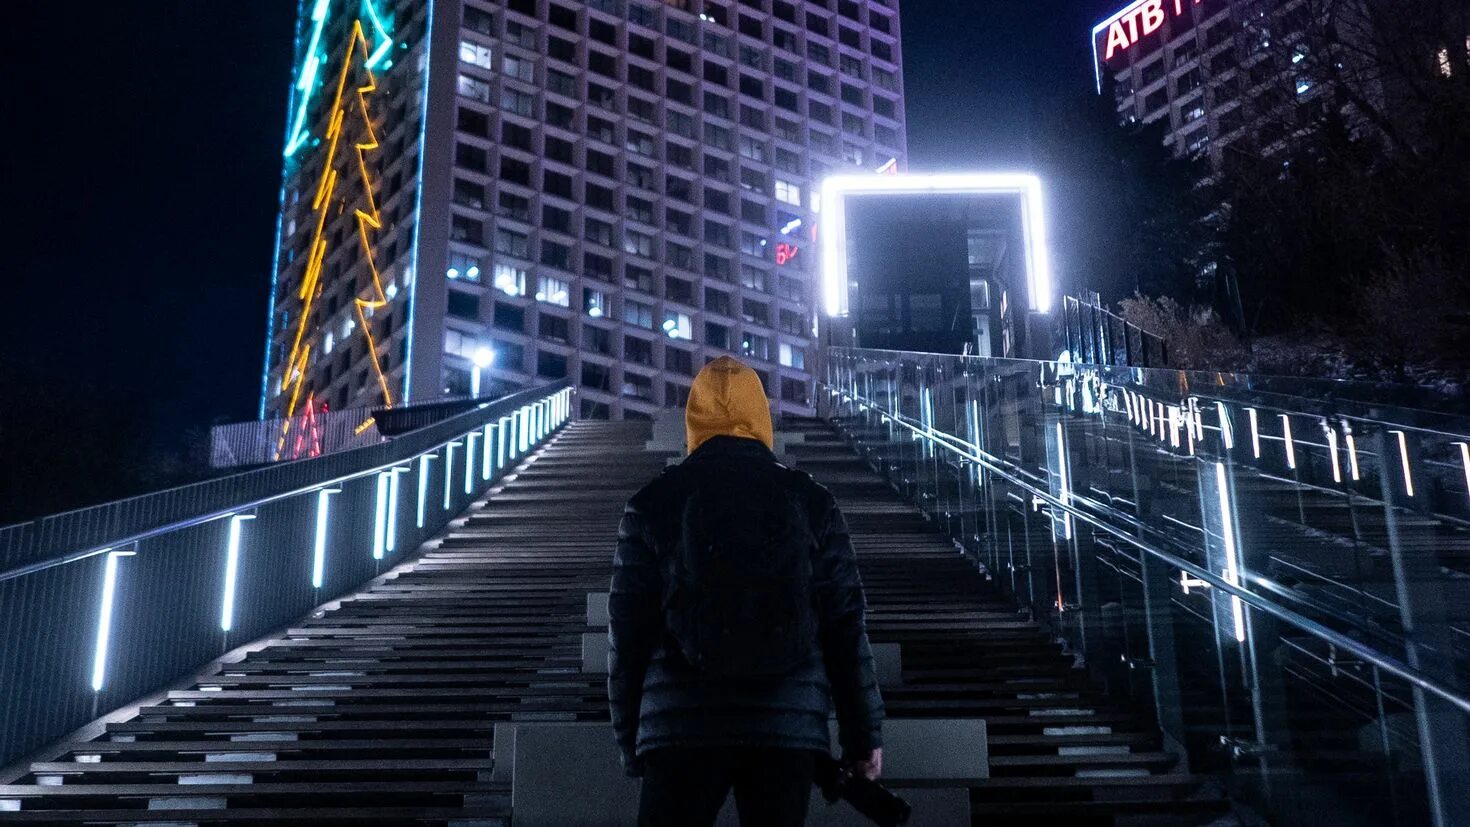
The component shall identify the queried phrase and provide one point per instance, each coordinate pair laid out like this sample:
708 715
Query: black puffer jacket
659 700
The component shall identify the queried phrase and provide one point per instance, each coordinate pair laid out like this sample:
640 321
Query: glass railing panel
1282 579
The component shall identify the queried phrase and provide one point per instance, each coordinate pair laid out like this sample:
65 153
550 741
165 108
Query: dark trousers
687 786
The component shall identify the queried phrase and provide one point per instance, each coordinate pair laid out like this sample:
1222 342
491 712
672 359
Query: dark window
463 305
474 123
551 365
637 351
469 157
509 317
552 327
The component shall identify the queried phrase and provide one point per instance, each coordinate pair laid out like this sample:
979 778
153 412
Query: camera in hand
867 797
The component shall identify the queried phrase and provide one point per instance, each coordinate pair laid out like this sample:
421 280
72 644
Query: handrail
1388 663
455 424
319 528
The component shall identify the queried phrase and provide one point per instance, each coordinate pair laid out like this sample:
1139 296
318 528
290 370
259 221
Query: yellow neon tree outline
299 360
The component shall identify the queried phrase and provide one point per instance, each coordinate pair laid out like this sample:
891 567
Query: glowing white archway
834 223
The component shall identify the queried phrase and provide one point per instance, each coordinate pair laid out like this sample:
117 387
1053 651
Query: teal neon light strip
312 61
381 32
307 83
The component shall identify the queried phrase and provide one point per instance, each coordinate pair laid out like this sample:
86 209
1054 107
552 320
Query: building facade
1221 74
613 192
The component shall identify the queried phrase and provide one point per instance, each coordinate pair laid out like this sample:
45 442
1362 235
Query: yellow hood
727 400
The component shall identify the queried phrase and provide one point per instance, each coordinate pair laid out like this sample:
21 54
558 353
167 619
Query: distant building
612 191
1219 73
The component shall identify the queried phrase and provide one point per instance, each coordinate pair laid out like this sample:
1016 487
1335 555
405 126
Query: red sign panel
1134 23
786 252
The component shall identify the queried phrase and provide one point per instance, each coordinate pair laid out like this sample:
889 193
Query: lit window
475 53
510 280
788 192
677 325
793 357
1303 86
471 88
553 291
464 267
594 302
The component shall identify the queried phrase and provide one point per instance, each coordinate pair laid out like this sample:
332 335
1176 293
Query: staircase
380 708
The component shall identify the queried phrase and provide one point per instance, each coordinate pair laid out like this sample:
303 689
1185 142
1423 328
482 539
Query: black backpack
740 601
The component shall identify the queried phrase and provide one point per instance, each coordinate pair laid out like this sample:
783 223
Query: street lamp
484 357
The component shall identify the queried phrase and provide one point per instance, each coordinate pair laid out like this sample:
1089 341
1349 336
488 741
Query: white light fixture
1232 560
392 540
1255 433
469 461
424 460
1227 435
449 473
232 571
486 447
1352 449
1332 450
1465 463
104 618
1404 462
1065 480
484 358
380 515
319 547
502 440
834 228
1290 446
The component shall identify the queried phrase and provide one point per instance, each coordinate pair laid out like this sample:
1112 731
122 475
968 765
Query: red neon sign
1125 29
786 252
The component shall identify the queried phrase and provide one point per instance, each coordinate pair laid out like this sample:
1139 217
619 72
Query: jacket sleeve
841 607
635 626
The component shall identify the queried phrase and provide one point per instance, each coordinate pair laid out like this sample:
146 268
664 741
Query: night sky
141 168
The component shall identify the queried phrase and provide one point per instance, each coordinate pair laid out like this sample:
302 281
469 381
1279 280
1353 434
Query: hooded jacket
657 698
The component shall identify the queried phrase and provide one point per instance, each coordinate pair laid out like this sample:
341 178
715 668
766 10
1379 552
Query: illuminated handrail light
469 461
1290 445
1227 435
502 440
1404 461
232 572
104 618
487 449
424 460
1255 432
1064 478
1232 561
1465 463
449 473
319 545
834 229
380 515
1332 450
1352 449
392 539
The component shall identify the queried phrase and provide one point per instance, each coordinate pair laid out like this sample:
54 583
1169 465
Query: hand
633 767
870 768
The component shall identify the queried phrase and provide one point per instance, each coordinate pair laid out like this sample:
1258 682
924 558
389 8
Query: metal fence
103 605
1097 336
1285 580
301 437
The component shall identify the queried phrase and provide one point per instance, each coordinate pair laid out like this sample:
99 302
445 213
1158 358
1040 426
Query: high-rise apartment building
613 191
1219 73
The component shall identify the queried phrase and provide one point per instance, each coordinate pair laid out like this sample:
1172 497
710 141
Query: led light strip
1404 462
104 618
1232 561
299 361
